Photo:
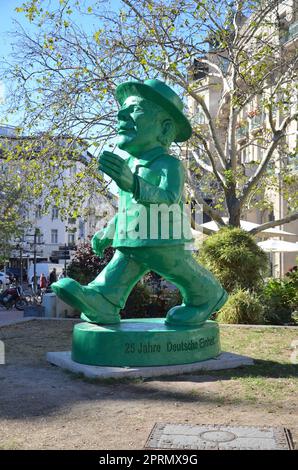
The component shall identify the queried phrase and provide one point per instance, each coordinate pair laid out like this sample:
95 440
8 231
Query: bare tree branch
277 136
274 223
200 200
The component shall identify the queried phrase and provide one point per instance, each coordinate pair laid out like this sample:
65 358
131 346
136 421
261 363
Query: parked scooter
12 297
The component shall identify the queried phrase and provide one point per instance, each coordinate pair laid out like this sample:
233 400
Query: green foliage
15 199
233 256
137 302
64 75
243 307
147 301
162 297
280 298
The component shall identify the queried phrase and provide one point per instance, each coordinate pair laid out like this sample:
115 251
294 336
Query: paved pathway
10 316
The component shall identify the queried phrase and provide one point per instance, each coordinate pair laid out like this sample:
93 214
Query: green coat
159 179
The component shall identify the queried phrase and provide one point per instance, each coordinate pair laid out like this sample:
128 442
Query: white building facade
56 236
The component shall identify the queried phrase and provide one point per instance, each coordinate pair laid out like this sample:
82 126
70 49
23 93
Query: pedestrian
53 276
43 283
62 274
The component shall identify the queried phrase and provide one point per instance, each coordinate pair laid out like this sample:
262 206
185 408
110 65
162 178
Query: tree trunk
233 206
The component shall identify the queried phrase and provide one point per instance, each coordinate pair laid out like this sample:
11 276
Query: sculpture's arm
104 237
169 190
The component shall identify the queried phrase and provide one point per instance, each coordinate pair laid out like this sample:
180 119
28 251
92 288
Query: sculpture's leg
202 293
102 299
117 279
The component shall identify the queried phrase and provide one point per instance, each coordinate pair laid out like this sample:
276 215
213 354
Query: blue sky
8 15
6 24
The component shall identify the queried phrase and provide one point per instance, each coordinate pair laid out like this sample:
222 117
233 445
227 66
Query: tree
67 73
14 200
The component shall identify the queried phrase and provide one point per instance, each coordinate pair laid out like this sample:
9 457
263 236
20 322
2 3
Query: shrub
137 303
150 300
85 265
242 306
233 256
291 280
280 300
161 302
162 296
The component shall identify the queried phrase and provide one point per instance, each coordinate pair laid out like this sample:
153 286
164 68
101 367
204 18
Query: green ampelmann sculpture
149 120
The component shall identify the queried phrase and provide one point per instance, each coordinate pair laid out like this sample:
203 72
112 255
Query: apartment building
252 122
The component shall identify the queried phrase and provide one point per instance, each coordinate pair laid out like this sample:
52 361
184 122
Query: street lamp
20 246
34 235
65 252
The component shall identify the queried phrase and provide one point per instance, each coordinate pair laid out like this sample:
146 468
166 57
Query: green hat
161 94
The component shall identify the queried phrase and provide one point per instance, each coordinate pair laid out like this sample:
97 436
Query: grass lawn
273 379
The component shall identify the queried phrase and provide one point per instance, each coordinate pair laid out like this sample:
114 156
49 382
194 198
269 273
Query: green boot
95 307
190 315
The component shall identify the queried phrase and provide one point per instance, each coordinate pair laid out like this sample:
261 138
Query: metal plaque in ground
218 437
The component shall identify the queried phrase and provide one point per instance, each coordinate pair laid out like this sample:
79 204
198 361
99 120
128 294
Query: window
243 158
199 118
38 212
54 236
283 28
55 212
206 217
71 238
81 228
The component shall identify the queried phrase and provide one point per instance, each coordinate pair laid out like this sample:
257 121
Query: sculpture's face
139 126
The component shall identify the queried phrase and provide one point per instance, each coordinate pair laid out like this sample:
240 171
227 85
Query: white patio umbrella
278 246
247 226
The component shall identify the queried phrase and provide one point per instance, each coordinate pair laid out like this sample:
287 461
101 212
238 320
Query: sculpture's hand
117 169
100 241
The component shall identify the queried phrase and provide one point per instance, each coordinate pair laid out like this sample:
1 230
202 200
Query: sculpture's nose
123 115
